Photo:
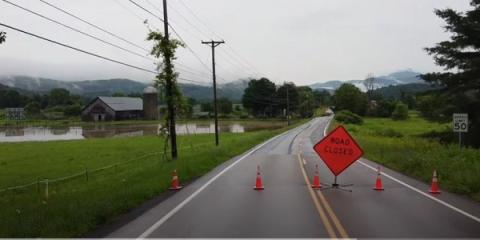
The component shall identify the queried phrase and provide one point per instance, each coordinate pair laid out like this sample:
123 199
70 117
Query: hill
397 91
393 79
93 88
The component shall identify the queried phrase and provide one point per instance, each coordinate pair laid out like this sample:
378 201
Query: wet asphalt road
224 204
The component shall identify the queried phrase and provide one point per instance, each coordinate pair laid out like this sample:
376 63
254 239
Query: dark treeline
57 103
264 99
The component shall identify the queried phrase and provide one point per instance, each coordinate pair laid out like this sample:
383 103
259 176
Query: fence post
86 173
46 188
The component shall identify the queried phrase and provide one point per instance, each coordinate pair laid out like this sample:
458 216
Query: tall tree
306 102
290 100
259 97
349 97
369 83
460 58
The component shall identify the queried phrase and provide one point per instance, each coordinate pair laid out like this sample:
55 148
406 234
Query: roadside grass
76 206
397 145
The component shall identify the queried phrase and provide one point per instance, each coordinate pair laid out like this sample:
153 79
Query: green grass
76 206
397 145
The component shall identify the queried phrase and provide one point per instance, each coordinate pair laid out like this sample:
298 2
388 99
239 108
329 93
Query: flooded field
24 133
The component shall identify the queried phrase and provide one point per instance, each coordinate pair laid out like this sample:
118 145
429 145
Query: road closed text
339 146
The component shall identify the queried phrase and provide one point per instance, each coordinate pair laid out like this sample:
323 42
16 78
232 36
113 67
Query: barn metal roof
123 103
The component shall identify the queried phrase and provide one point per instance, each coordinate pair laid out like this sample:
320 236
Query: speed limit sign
460 122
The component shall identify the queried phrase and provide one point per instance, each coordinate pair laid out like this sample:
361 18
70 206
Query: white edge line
326 127
424 194
172 212
415 189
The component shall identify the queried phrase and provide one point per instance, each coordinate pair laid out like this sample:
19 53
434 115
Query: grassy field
78 205
397 144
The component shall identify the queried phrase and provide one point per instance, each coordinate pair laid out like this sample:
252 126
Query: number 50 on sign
460 122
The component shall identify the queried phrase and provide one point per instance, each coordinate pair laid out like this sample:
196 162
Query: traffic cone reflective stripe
378 183
434 188
316 179
175 182
258 182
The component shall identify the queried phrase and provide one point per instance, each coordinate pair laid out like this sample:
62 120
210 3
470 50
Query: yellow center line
326 205
334 218
320 210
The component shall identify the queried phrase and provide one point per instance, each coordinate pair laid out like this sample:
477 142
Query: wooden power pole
214 44
169 87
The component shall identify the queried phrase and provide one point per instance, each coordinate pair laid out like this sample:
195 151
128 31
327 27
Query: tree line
264 99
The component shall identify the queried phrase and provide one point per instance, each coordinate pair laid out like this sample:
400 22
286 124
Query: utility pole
214 44
288 106
169 76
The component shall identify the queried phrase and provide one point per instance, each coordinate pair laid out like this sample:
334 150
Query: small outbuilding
113 108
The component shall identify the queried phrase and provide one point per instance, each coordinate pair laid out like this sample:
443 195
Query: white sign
460 122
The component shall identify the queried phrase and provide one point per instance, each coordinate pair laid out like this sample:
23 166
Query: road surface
224 204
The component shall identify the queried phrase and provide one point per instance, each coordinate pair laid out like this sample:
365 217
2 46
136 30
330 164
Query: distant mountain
93 88
395 92
393 79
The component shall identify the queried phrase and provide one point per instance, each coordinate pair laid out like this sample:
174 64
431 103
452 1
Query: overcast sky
304 41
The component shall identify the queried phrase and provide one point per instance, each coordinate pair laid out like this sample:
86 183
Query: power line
175 31
146 10
93 25
76 30
77 49
154 15
213 32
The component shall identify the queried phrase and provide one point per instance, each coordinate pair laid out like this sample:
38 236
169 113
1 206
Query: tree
282 98
460 58
58 97
322 98
259 97
225 105
32 108
400 112
3 37
369 83
349 97
306 102
11 98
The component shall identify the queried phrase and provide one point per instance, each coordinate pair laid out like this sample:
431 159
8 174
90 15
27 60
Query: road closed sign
460 122
338 150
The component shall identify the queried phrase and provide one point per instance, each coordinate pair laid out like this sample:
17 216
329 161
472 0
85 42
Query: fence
86 173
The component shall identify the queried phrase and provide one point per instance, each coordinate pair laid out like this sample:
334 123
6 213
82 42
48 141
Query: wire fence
87 172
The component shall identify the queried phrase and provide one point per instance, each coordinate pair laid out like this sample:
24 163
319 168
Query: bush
32 108
348 117
400 112
73 110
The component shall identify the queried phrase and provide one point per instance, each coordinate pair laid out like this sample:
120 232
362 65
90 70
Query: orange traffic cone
434 188
378 183
258 182
175 182
316 179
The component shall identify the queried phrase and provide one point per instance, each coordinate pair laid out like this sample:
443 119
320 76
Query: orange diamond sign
338 150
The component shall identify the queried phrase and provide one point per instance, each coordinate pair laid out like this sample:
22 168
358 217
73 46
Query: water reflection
21 134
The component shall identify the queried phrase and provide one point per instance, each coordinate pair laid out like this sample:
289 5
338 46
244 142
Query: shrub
73 110
348 117
400 112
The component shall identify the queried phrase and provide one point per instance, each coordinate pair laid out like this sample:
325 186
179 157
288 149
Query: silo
150 103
